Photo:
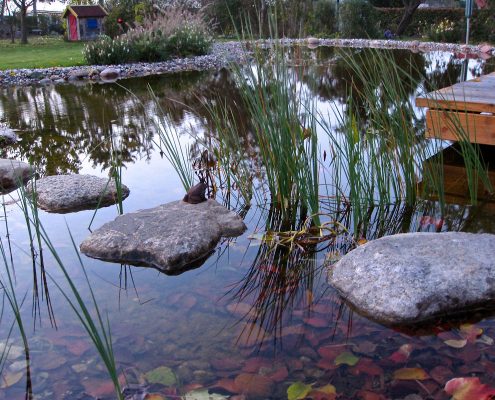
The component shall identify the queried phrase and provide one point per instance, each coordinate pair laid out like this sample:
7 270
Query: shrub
188 40
172 32
445 31
322 21
358 19
106 50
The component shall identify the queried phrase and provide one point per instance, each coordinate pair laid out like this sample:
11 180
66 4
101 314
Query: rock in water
415 277
69 193
13 174
172 237
7 136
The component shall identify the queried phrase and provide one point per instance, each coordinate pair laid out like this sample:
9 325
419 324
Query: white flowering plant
170 32
445 31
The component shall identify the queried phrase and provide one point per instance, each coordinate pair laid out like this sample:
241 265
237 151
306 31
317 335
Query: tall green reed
96 327
281 118
377 152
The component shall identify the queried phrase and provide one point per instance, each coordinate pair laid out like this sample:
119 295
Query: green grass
40 52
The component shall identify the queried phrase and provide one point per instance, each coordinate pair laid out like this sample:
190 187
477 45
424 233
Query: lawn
40 52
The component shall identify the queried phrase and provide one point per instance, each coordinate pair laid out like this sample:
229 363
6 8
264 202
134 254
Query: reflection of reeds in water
282 275
170 143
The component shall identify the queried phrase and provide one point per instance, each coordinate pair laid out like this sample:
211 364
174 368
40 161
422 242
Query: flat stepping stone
413 277
13 174
172 237
69 193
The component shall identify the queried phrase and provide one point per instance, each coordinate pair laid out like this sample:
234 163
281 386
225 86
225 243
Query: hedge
482 23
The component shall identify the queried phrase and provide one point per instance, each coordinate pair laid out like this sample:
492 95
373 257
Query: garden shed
84 22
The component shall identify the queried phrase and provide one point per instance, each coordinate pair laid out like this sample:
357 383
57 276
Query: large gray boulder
13 174
415 277
69 193
172 237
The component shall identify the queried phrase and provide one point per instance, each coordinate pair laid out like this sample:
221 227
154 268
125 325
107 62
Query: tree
410 7
23 6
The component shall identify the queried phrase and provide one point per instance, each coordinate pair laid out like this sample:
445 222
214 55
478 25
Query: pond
251 320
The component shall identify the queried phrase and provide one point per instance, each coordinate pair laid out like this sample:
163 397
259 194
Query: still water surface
244 321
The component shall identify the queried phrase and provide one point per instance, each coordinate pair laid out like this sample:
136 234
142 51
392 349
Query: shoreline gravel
222 54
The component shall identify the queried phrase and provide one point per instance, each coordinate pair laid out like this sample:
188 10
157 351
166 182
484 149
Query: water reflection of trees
60 125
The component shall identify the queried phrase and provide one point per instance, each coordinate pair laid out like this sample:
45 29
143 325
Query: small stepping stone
69 193
13 174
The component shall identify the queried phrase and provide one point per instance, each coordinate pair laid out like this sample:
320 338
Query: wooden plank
474 95
475 105
447 125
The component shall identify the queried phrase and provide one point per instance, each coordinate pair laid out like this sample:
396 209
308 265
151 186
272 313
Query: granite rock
69 193
13 174
172 237
413 277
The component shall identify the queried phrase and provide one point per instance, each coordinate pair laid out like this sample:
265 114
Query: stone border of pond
222 54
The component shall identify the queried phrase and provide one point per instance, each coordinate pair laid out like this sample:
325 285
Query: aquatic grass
115 174
377 153
8 287
170 143
234 169
282 120
97 329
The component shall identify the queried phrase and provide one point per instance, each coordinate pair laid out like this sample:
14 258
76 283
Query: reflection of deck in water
464 110
455 176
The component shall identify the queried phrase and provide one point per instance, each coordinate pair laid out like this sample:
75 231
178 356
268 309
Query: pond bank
222 54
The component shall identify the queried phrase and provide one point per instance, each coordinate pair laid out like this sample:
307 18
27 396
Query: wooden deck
464 110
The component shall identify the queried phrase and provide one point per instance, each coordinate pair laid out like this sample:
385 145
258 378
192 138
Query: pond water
249 320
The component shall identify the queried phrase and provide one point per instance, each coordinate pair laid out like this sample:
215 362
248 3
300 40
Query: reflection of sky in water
149 325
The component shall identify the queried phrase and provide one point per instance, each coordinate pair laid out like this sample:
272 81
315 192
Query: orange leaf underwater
407 374
469 389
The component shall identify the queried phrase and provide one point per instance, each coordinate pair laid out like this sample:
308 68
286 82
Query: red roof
86 11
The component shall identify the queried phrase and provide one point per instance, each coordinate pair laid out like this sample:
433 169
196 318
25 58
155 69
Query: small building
84 22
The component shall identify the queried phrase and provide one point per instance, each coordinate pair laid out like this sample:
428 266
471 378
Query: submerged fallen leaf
203 394
402 355
346 358
162 375
298 391
331 351
254 385
457 344
154 396
10 378
327 392
440 374
366 366
367 395
407 374
470 332
485 340
226 384
468 389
